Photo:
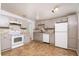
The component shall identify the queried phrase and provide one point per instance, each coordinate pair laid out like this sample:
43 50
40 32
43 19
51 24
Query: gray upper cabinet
15 20
72 31
49 24
24 24
4 21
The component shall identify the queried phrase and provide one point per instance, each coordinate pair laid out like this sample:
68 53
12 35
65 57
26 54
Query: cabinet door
49 24
5 42
24 24
4 21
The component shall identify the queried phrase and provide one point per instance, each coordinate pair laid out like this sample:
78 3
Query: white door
61 35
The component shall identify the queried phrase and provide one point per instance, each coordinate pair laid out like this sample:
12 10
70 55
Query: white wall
78 31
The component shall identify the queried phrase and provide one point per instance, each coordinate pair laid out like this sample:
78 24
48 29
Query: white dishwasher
45 37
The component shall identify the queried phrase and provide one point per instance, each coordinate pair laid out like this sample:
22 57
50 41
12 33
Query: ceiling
40 11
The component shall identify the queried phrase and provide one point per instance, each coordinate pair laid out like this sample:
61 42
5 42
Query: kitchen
50 24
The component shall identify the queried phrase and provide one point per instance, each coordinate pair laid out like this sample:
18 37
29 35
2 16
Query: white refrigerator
61 36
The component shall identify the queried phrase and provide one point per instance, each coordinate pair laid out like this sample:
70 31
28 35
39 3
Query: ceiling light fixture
55 9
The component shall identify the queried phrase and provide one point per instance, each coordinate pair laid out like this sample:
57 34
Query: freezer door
61 26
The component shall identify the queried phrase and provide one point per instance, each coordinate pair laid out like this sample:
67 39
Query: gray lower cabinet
52 38
5 42
43 37
38 36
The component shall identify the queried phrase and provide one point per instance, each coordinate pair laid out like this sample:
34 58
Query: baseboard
46 43
71 49
6 49
77 52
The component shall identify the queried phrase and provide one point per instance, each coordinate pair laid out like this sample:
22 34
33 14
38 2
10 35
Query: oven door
17 39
